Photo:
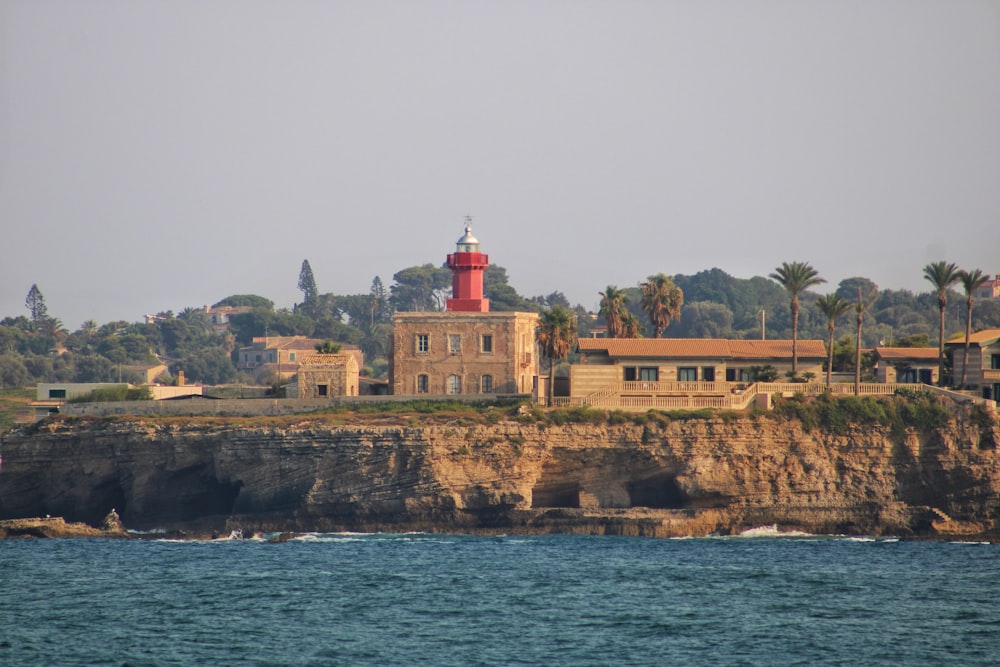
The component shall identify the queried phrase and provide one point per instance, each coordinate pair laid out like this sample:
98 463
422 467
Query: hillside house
988 290
984 361
283 354
906 365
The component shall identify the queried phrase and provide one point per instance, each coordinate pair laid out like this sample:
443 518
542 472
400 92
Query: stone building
325 375
906 364
283 354
622 366
466 349
983 373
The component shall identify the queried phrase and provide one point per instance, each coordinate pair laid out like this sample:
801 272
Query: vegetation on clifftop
12 403
917 410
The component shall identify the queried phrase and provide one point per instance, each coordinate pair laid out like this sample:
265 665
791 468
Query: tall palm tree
861 306
613 302
662 301
796 277
942 275
832 306
556 334
971 280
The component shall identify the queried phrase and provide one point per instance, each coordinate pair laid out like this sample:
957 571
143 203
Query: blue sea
423 599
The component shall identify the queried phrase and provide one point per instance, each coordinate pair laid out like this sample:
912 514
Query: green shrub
838 415
118 392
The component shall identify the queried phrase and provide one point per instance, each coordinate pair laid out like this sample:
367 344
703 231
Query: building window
291 356
422 383
649 374
423 343
454 384
321 389
907 376
454 344
737 375
995 361
708 373
258 358
57 393
643 373
687 374
486 343
487 384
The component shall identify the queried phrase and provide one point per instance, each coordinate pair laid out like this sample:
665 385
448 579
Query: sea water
425 599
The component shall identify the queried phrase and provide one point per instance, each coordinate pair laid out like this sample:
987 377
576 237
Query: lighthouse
466 349
467 266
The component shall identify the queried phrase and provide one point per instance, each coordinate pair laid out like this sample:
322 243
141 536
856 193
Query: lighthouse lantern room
467 266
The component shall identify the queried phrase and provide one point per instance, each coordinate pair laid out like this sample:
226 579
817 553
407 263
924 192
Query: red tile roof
895 353
984 337
702 348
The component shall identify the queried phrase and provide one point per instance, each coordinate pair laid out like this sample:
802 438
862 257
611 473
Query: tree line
37 347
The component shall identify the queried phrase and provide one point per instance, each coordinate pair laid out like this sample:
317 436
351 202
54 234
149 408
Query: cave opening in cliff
193 493
103 498
556 494
658 491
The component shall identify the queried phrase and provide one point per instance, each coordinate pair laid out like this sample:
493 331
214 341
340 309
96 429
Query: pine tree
307 283
378 302
35 303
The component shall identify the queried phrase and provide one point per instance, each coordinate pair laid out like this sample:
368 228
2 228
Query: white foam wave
772 531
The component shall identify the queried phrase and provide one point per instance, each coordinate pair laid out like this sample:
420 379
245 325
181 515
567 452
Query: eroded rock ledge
657 479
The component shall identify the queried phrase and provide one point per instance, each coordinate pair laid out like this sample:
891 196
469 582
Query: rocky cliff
658 478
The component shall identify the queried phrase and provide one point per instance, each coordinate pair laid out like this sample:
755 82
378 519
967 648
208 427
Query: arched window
454 384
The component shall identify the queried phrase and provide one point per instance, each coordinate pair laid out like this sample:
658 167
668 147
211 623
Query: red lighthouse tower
467 265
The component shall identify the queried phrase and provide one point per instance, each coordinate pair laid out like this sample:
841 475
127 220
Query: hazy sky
158 155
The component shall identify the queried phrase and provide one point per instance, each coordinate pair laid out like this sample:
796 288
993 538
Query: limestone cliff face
677 478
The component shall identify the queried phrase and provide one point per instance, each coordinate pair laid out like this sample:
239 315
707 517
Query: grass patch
13 402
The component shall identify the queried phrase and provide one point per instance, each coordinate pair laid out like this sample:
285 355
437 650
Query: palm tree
613 311
861 306
631 327
942 275
662 301
89 328
971 280
556 334
329 347
796 277
832 307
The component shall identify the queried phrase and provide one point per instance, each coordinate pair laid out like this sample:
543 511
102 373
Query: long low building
613 364
51 396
